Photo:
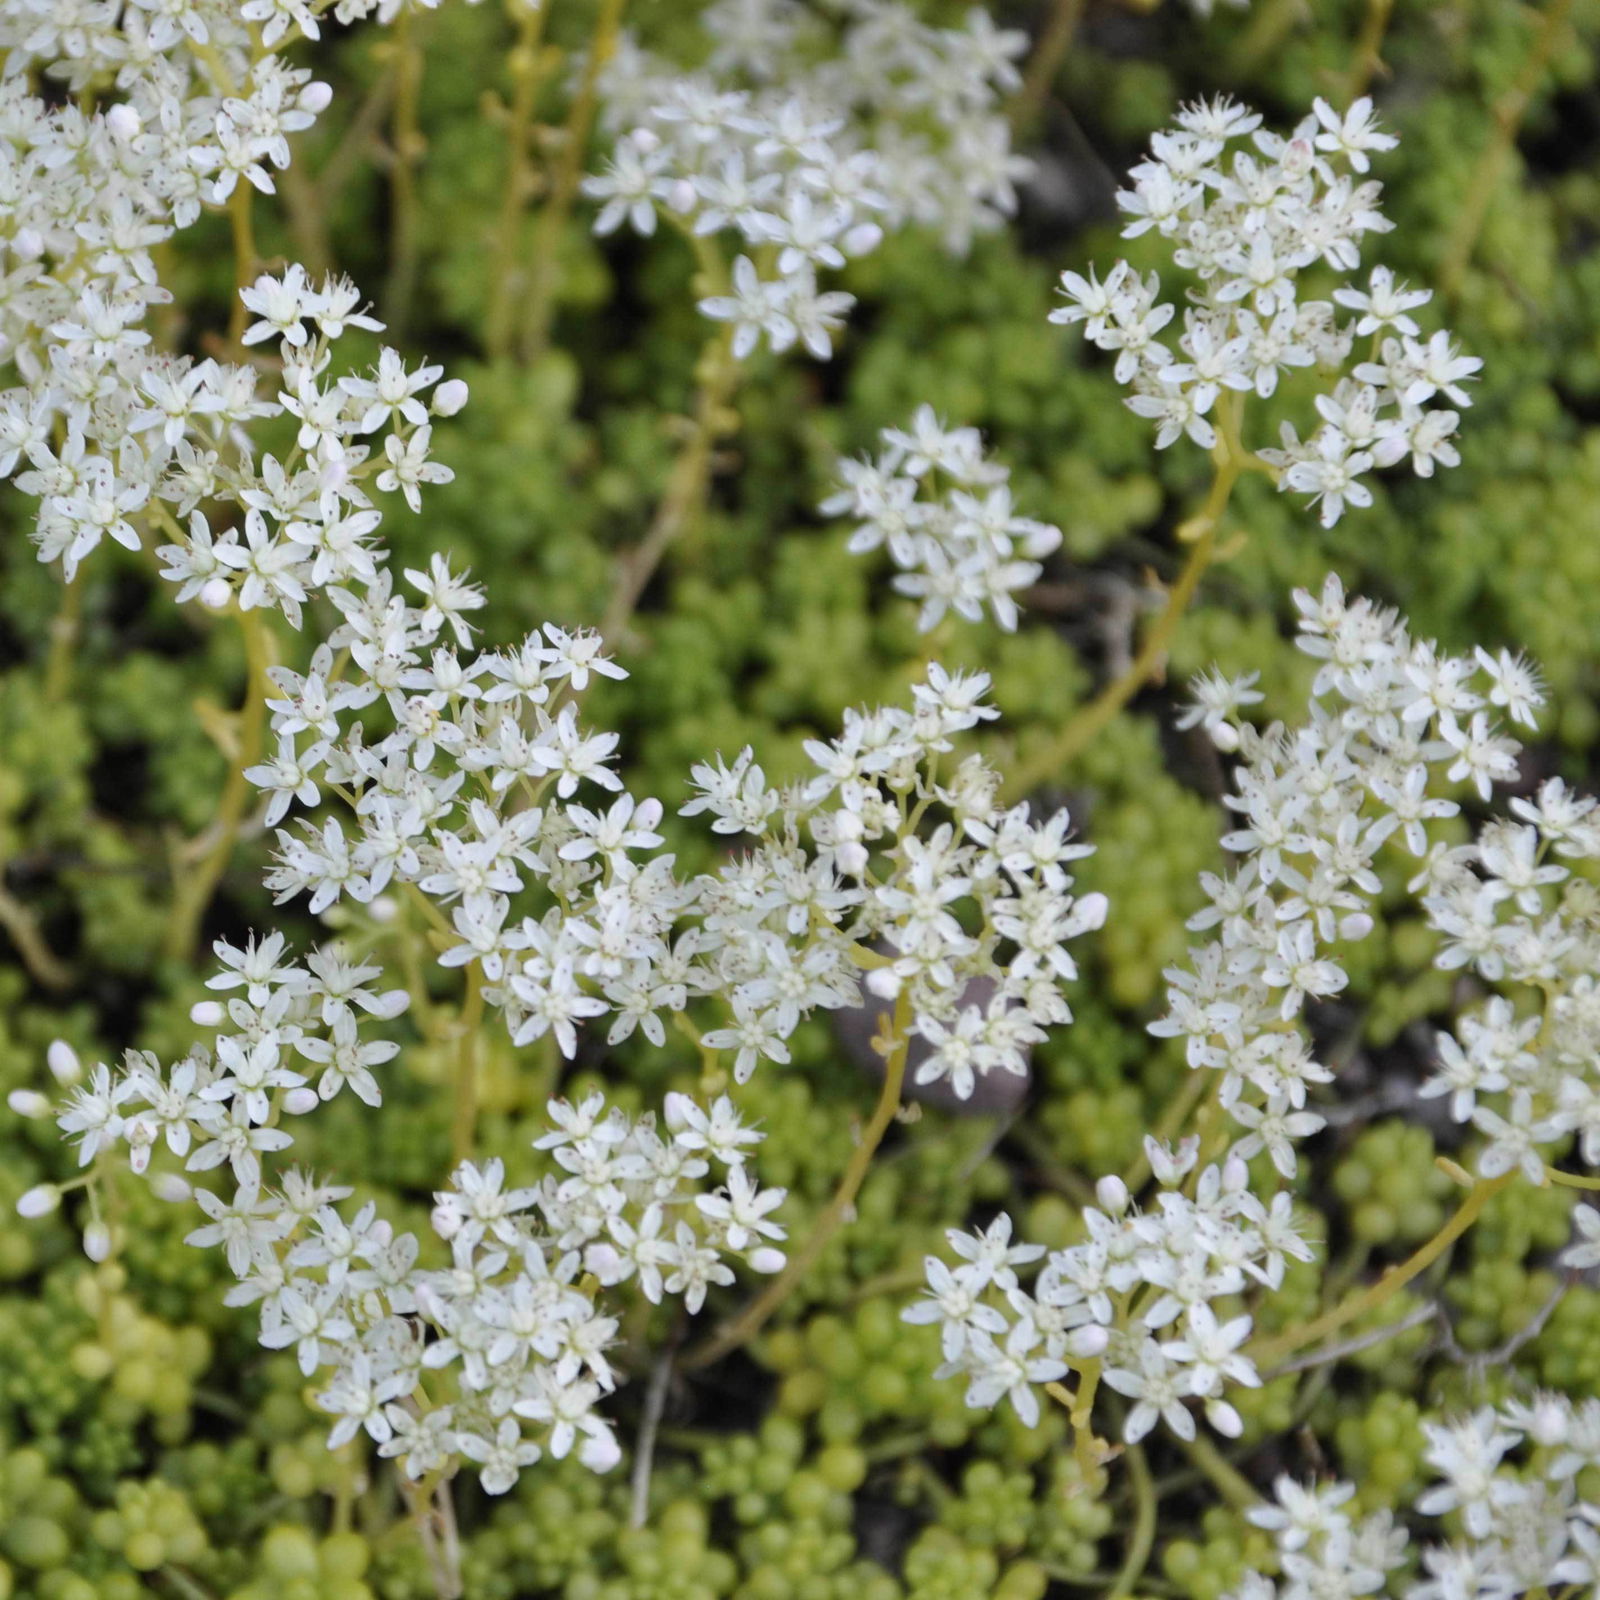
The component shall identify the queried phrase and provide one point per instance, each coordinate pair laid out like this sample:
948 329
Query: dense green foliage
148 1445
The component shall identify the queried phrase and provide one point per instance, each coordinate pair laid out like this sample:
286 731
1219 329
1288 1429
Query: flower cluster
1165 1263
947 518
807 147
1246 227
111 434
1393 724
1508 1475
960 909
514 1317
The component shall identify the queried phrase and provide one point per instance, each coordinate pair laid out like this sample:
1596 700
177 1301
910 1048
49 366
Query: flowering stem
355 145
1085 1445
1571 1180
433 1514
686 489
1367 56
22 928
464 1127
1044 64
1230 1483
526 78
195 889
750 1321
1081 729
1268 1352
244 257
64 629
406 150
1142 1537
1508 113
1231 459
304 213
1173 1121
1269 26
545 272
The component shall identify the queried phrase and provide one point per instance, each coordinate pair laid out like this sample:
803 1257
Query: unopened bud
39 1201
207 1013
884 982
1087 1342
28 1103
1112 1193
316 97
449 397
97 1241
124 122
63 1062
862 239
299 1101
215 593
172 1188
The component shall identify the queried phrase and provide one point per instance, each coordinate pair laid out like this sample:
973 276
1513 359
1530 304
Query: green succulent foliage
148 1446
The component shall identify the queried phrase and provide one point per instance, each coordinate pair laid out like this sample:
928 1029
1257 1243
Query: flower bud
172 1188
124 122
1087 1342
862 239
605 1262
766 1259
299 1101
207 1013
39 1201
215 593
852 859
600 1452
28 1103
316 97
1112 1193
63 1062
97 1241
449 397
884 982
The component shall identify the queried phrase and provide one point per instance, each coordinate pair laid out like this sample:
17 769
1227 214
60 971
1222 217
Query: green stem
1143 1536
1367 56
1044 65
545 274
1269 1352
1508 113
754 1317
1230 1483
407 145
244 256
686 488
64 630
1200 533
505 281
22 928
1270 25
1570 1180
1173 1121
194 889
1080 730
464 1125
